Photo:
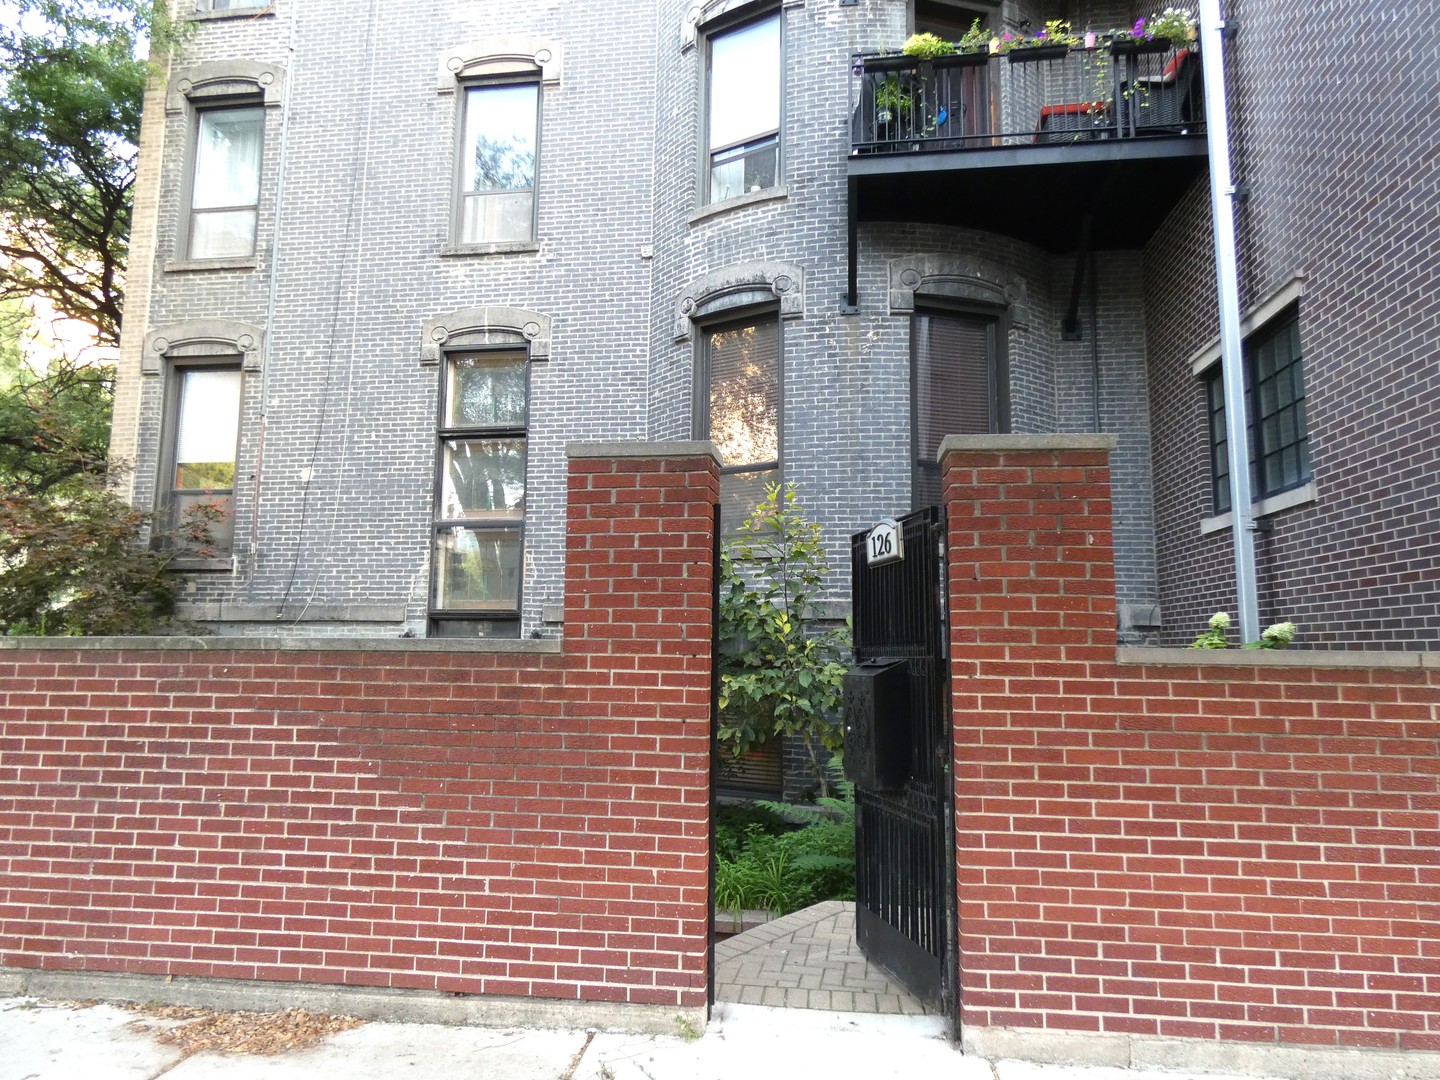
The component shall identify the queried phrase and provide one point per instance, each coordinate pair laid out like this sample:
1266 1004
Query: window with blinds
954 390
738 407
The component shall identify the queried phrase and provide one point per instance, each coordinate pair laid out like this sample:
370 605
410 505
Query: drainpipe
1227 282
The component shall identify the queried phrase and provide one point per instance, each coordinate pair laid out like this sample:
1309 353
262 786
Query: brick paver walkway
808 960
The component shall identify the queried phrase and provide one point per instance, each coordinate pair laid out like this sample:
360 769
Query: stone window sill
1286 500
213 565
458 251
230 13
750 198
186 266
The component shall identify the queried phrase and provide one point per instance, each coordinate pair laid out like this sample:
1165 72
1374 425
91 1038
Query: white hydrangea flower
1282 633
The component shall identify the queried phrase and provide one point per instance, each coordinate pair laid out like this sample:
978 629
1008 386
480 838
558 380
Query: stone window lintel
492 325
202 338
500 55
958 277
698 15
220 79
741 286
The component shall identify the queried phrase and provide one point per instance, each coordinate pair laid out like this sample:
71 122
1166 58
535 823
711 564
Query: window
738 407
742 109
956 388
205 421
1275 402
480 496
496 171
225 194
229 5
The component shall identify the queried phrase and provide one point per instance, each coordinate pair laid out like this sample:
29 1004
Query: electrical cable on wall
354 241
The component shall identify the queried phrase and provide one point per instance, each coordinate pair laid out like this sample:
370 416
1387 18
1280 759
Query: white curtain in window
227 158
745 83
209 420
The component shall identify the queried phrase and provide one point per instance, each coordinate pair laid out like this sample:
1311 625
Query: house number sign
885 543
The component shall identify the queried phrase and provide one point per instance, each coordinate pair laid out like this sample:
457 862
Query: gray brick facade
335 496
1336 148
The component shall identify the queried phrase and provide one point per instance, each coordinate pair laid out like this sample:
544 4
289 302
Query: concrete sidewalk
42 1040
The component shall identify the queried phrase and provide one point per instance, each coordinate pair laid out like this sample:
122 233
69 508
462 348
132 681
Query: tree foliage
72 78
71 87
781 671
71 557
54 422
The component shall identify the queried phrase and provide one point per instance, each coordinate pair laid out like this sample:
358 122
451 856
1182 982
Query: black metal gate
898 752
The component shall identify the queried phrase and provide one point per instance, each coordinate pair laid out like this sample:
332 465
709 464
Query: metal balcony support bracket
1070 327
850 302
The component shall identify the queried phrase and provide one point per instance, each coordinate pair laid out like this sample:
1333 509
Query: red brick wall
1220 846
514 823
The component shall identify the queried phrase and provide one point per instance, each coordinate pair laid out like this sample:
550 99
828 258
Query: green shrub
781 672
812 860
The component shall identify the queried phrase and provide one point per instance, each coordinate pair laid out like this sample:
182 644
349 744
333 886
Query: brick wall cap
964 444
1276 658
276 644
678 448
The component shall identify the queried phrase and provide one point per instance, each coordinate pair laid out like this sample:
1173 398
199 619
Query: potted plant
1173 28
926 46
972 49
1051 43
894 107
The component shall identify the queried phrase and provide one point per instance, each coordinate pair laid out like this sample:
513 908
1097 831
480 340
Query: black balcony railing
1025 97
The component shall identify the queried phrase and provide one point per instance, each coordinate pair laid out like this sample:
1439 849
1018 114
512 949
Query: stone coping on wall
1098 1049
181 643
385 1004
1274 658
969 444
637 449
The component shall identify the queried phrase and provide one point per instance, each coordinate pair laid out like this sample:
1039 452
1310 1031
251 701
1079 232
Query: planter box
1139 48
1037 53
961 60
891 63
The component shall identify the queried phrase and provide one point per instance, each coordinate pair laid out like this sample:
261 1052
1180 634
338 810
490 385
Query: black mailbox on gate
877 724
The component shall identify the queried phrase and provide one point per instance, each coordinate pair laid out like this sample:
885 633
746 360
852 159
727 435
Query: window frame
463 89
707 35
200 111
734 319
997 356
507 619
1218 435
165 489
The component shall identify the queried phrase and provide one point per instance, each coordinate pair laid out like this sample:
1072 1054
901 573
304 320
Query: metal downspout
1227 281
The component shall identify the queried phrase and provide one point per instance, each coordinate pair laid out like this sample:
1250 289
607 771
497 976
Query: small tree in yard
781 673
72 559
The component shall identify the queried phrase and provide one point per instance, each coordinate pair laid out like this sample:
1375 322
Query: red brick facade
1220 846
526 822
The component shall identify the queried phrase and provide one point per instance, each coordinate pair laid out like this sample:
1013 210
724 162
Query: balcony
1067 150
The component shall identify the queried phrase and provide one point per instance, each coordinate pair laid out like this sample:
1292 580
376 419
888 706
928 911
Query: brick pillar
1032 605
639 623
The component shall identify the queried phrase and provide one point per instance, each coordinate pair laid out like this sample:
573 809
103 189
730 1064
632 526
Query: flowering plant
1056 32
1276 636
1214 637
976 39
1178 26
